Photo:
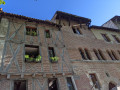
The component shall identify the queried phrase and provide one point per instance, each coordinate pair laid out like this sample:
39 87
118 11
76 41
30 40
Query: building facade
65 53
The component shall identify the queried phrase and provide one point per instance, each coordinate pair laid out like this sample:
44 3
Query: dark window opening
32 31
97 54
112 86
70 84
101 54
94 80
87 54
110 55
47 32
31 53
53 84
116 38
114 55
76 31
82 54
51 52
106 38
20 85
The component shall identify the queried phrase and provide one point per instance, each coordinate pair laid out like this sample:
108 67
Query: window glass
70 84
51 52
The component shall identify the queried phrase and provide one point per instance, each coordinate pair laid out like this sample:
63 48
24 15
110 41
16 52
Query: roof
71 16
105 28
28 18
116 18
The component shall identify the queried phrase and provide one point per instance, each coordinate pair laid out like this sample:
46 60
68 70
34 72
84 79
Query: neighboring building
113 23
65 55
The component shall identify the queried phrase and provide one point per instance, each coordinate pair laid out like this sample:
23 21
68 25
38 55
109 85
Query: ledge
96 61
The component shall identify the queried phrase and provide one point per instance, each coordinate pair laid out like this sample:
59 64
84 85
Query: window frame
31 29
57 83
105 37
116 38
71 81
47 32
20 80
96 79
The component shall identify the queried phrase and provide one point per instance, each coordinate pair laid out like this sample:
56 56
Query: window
112 86
106 38
20 85
32 53
112 55
99 54
32 31
70 84
116 38
47 32
52 84
76 31
88 54
51 52
82 54
102 55
94 80
85 54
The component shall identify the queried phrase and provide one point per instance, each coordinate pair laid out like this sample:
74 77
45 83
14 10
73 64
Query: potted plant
26 57
38 58
34 33
54 59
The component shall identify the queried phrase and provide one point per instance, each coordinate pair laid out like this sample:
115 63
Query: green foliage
2 2
38 59
54 59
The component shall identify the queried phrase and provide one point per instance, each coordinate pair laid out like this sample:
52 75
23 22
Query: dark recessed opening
32 52
52 84
20 85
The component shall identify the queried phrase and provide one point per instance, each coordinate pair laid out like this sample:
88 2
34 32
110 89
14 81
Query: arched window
112 86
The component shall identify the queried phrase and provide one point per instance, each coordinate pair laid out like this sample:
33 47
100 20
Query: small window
88 54
77 31
116 38
20 85
47 32
70 84
102 55
51 52
82 54
74 30
106 38
112 55
32 53
94 80
52 84
97 54
32 31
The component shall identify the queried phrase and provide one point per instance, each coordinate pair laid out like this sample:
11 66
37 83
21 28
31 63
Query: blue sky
99 11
